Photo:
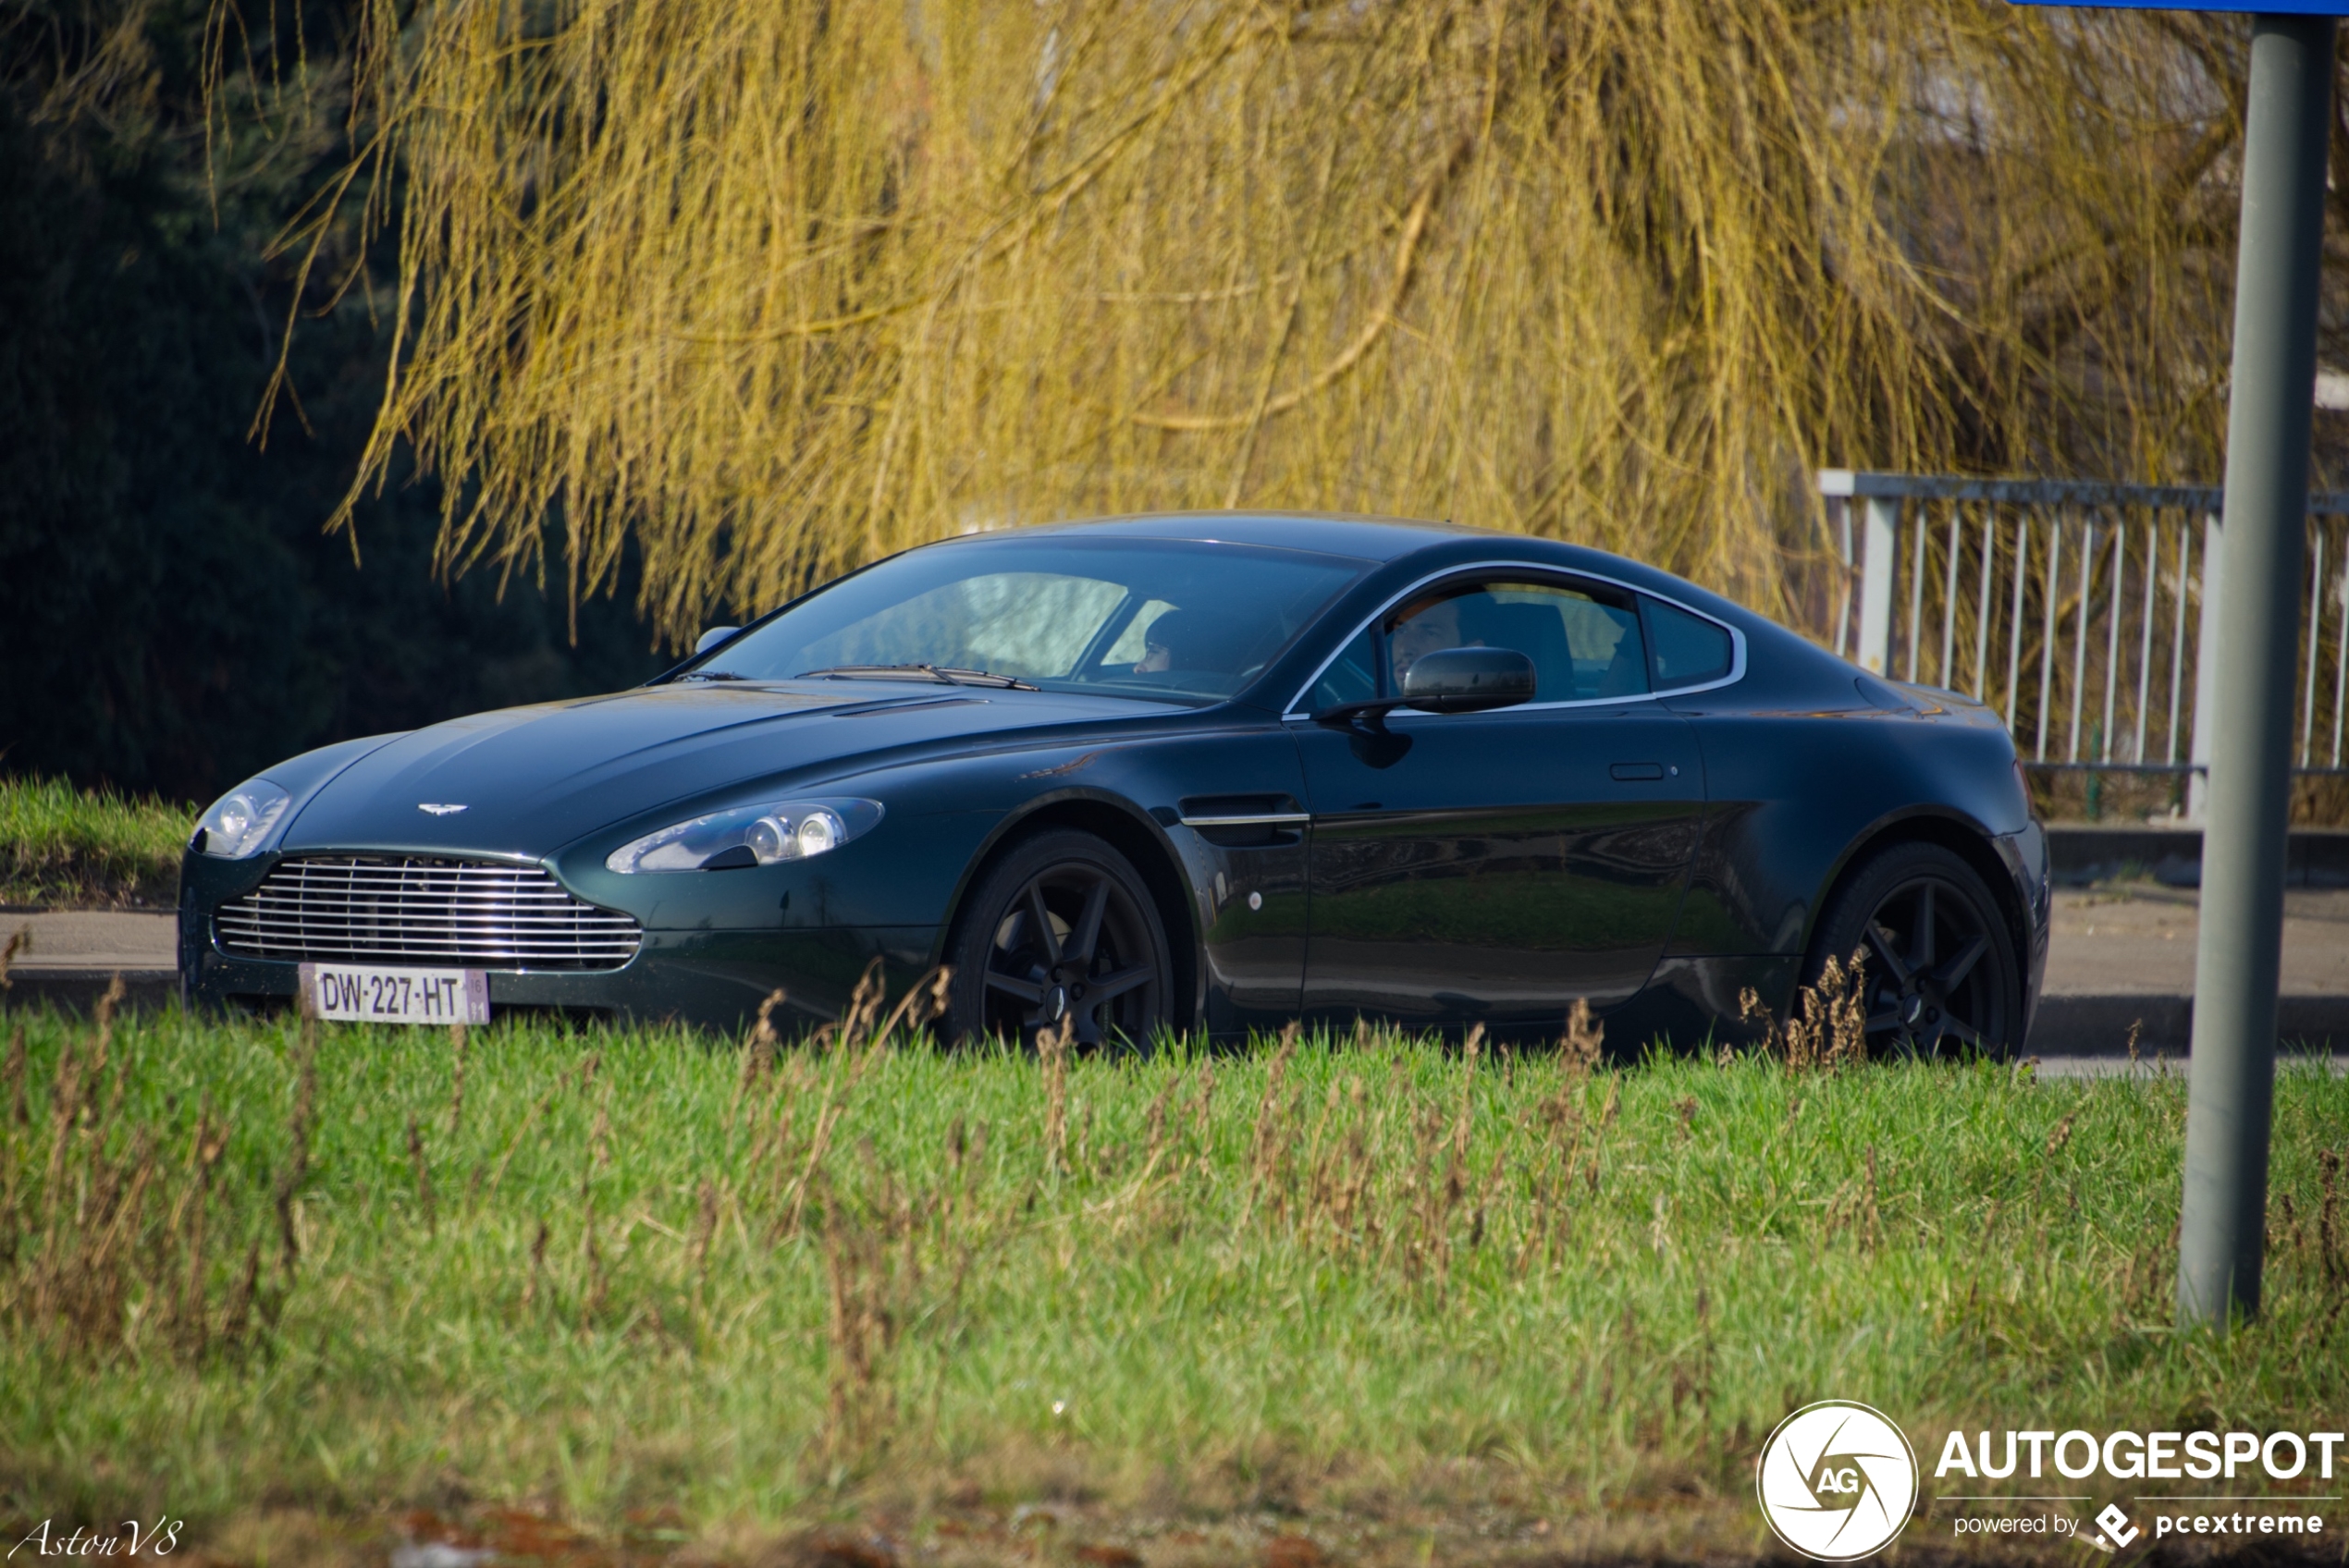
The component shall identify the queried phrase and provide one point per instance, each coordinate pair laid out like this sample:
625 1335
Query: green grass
766 1297
59 845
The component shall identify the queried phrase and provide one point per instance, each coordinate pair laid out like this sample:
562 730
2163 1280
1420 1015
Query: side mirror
1468 680
711 638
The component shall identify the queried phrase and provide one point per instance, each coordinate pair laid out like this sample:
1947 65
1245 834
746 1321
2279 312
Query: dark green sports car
1187 772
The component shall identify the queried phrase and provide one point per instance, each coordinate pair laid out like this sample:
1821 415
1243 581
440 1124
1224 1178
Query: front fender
1243 960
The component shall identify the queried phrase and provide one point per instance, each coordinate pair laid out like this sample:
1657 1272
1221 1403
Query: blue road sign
2264 7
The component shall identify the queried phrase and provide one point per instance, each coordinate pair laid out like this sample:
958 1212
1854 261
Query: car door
1497 865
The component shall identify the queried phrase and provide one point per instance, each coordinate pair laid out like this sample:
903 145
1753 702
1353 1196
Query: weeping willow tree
773 290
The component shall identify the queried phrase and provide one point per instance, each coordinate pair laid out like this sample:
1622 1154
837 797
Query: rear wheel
1938 962
1060 932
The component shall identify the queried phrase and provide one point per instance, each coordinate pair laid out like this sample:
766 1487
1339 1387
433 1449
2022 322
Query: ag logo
1836 1481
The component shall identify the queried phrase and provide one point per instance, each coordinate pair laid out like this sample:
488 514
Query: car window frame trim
1291 713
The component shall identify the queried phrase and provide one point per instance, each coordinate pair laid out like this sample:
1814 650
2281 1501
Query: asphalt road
2121 956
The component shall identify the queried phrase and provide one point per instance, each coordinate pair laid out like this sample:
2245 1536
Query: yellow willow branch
1406 260
803 329
1194 296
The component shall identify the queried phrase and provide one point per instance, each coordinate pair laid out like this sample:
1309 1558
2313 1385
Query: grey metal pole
2230 1086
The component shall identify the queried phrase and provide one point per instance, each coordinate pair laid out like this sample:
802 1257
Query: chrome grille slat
309 912
353 908
416 921
525 895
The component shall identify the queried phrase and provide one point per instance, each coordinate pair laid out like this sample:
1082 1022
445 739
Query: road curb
78 990
2080 853
2100 1025
2065 1025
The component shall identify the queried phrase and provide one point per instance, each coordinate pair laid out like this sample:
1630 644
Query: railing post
1839 513
2206 668
1871 556
1878 573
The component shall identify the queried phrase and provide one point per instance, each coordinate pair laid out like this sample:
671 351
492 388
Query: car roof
1331 534
1375 540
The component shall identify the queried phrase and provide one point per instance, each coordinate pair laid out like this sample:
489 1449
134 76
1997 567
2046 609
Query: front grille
454 912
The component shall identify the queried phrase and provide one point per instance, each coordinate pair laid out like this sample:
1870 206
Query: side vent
1236 822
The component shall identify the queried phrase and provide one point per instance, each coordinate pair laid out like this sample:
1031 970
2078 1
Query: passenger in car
1427 627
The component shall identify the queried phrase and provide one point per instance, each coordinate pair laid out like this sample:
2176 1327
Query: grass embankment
59 845
1368 1287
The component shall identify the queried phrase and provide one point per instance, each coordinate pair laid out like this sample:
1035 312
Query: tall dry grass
119 1235
775 289
627 1273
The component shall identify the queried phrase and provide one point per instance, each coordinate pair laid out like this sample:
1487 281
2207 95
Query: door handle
1634 772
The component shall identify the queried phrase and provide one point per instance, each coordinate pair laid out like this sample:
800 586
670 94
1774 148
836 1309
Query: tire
1102 962
1939 967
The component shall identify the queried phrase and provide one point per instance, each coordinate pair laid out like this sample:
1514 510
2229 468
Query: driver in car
1193 640
1159 642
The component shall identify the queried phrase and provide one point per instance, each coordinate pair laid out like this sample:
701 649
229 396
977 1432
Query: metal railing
2078 610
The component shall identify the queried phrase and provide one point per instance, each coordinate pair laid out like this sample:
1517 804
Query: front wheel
1938 971
1061 932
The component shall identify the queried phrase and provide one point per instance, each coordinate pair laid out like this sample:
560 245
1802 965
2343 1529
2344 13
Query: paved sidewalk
2138 939
2121 956
93 939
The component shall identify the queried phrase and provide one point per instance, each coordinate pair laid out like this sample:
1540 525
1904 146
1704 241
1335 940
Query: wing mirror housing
1448 680
1468 680
711 638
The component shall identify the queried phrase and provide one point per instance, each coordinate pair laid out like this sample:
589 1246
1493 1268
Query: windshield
1146 617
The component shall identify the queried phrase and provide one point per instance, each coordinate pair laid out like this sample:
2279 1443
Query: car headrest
1535 631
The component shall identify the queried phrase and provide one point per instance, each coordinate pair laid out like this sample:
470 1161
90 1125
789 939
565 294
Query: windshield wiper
942 675
711 675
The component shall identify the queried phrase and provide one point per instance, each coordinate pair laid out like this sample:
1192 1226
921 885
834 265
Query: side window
1584 641
1687 650
1352 677
1603 633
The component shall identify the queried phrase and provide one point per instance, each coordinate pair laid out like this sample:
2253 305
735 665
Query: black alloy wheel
1061 932
1937 962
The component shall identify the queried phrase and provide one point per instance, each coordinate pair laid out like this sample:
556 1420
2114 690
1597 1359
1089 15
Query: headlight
748 836
240 822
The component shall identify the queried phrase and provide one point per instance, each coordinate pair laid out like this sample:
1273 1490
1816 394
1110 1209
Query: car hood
532 780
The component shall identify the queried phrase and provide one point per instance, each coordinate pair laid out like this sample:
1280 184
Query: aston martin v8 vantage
1200 772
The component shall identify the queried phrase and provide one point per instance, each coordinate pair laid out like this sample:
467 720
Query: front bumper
712 949
705 977
708 979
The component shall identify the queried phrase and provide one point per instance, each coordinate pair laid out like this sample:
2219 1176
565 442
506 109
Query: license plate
361 994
